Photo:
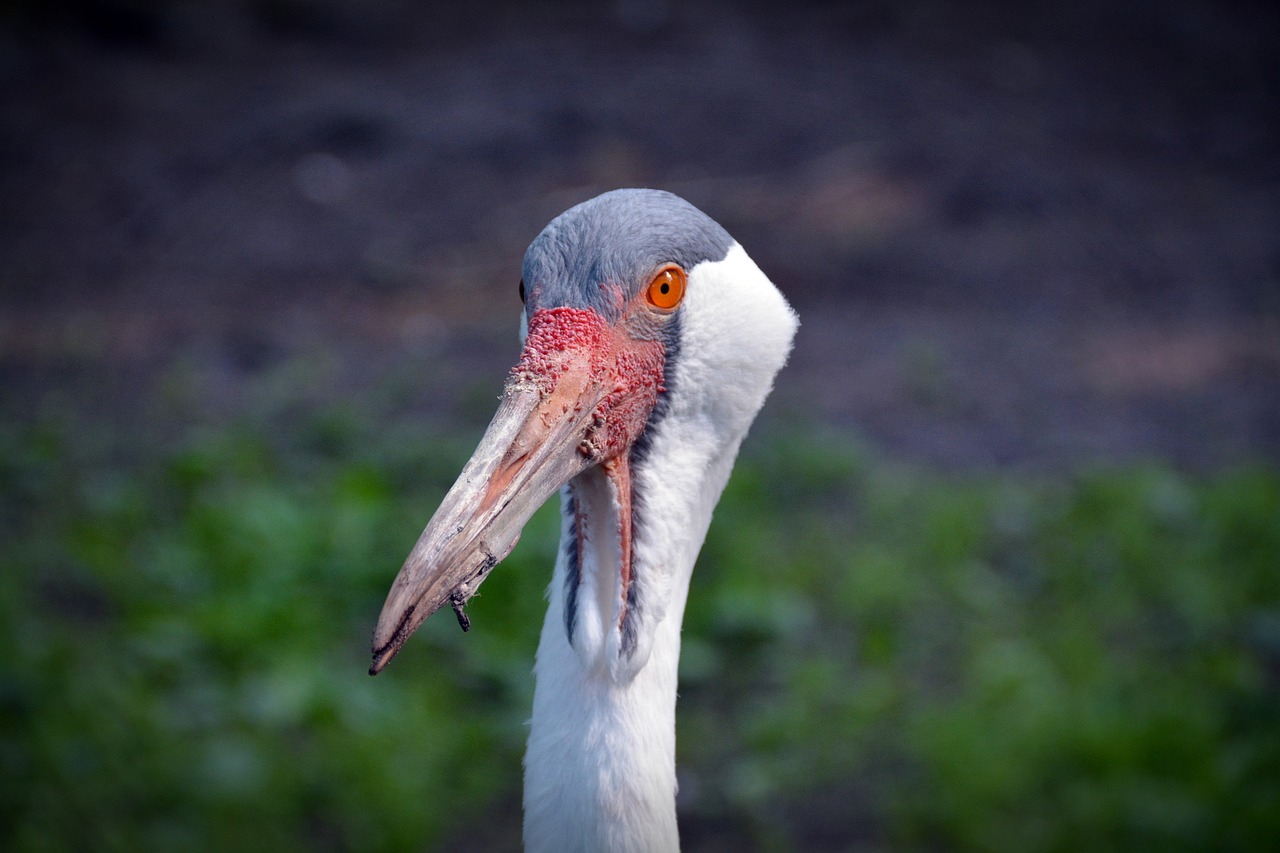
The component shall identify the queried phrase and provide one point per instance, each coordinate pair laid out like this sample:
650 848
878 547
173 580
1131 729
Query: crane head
604 288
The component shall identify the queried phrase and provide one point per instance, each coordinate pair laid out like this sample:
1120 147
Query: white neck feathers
600 765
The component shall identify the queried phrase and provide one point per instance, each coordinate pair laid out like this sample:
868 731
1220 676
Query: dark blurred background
258 267
1062 217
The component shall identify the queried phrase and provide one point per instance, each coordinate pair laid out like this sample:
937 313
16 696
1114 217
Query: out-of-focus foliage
874 655
988 662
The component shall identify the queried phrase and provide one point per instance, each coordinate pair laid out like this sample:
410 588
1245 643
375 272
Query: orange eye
667 288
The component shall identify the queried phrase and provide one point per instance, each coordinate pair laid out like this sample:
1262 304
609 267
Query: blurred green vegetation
876 655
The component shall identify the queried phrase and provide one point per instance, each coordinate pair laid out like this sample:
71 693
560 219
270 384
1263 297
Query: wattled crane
650 343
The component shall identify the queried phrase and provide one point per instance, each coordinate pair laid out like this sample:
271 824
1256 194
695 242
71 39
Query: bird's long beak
564 409
528 452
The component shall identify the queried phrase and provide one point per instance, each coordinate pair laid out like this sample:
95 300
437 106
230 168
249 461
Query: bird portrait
650 343
789 427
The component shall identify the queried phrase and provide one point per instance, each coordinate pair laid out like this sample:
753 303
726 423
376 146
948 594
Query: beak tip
385 650
382 656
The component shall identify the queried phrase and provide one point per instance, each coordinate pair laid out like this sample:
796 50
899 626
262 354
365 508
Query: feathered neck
600 764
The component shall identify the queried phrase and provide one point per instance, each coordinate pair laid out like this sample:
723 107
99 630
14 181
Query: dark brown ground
1042 235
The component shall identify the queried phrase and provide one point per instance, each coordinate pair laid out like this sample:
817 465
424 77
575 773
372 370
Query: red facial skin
577 360
607 368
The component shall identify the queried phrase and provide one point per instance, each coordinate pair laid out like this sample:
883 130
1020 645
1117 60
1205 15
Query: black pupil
666 288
